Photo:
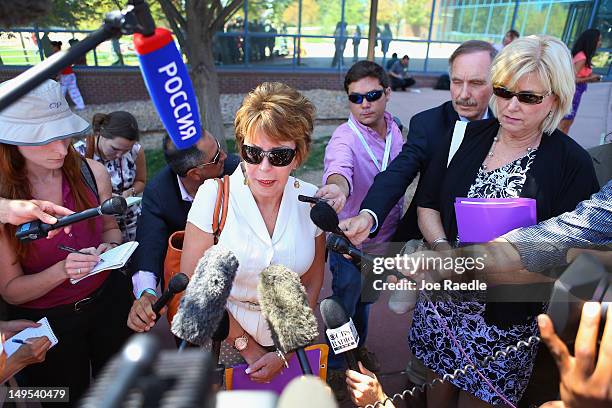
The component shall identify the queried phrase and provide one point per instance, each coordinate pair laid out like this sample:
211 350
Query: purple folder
241 381
483 219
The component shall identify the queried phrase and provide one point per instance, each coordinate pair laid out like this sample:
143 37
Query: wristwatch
241 342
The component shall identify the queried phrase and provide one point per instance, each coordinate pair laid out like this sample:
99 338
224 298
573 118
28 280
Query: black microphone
177 284
343 246
324 216
219 335
341 331
203 304
136 359
34 230
285 306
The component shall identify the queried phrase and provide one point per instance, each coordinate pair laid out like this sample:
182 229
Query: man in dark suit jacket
166 202
470 93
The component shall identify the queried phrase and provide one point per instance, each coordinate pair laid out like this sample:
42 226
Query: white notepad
43 330
113 259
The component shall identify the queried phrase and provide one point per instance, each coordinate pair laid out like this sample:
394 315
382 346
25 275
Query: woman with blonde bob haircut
519 153
266 224
547 58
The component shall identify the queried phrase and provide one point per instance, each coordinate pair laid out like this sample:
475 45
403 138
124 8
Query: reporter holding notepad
37 161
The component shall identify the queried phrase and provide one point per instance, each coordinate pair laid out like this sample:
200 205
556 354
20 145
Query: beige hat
40 117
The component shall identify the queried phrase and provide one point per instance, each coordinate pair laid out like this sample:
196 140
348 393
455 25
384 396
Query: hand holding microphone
38 229
147 309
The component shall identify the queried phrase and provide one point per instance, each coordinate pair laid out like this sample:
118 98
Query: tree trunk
206 84
203 72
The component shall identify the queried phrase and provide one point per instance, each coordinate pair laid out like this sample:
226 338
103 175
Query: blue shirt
546 244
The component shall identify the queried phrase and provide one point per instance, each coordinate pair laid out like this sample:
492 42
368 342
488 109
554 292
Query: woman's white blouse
292 244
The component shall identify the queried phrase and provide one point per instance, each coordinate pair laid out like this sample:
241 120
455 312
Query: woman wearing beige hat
37 161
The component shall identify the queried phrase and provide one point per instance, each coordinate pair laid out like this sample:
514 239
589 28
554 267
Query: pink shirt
44 253
345 155
585 71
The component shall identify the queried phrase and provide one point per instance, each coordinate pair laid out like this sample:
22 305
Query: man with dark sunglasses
166 202
358 150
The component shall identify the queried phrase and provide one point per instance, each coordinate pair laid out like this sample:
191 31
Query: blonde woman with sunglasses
521 153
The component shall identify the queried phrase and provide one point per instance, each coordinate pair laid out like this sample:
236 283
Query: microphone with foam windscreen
169 86
284 304
305 392
203 304
33 230
341 331
177 284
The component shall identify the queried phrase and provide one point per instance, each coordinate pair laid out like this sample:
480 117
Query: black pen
19 341
74 251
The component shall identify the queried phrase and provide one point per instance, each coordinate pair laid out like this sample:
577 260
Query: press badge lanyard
387 153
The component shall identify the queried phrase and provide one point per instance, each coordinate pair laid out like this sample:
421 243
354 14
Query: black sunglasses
370 96
278 157
215 159
528 98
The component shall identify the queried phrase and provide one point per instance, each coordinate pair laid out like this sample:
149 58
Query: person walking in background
356 41
68 82
114 143
339 43
385 40
510 36
582 53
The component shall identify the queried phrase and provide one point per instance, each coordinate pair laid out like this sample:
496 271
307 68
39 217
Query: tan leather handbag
172 263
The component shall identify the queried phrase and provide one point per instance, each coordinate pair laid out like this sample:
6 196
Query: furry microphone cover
285 306
203 303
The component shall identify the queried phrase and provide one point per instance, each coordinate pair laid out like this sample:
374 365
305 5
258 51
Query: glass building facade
332 34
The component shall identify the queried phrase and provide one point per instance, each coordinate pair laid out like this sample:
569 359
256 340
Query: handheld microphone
135 360
285 306
324 216
218 336
305 392
203 303
34 230
169 86
343 246
177 284
341 331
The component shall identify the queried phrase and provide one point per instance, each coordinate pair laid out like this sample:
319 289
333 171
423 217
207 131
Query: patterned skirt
464 317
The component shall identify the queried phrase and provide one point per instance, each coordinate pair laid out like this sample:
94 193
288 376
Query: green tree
193 22
417 15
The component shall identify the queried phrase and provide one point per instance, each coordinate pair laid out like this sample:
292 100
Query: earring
296 182
549 114
246 180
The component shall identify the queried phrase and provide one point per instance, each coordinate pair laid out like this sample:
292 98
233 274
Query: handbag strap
220 213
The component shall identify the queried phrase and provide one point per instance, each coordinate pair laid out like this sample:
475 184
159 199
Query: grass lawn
155 157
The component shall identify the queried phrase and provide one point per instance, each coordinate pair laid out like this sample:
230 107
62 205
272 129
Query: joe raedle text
446 285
